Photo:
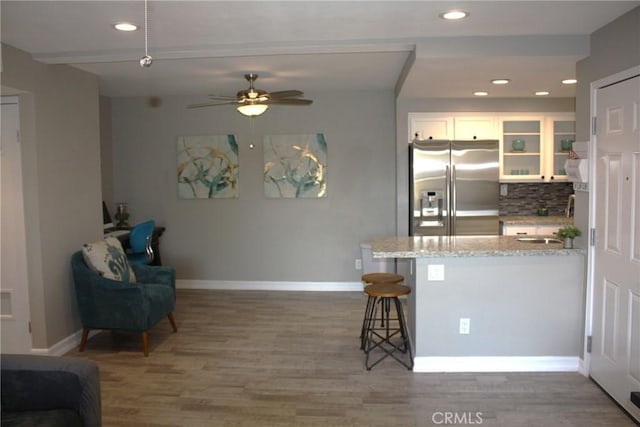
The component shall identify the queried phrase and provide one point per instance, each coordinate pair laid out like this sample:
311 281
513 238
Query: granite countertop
462 246
536 220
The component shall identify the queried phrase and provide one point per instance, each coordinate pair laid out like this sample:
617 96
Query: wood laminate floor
250 358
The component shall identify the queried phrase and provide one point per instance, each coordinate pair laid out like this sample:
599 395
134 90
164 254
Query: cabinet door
521 150
519 230
427 126
563 134
547 230
469 128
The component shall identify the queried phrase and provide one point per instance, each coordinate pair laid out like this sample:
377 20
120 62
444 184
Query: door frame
17 324
595 86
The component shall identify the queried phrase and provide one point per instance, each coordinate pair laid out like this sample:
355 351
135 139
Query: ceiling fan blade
286 94
289 101
230 98
211 104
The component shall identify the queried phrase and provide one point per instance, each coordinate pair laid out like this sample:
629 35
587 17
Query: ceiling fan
253 102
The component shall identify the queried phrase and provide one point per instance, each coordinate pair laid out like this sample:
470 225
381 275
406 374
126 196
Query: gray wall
252 238
61 178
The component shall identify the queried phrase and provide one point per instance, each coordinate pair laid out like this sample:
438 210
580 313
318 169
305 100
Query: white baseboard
65 345
496 364
232 285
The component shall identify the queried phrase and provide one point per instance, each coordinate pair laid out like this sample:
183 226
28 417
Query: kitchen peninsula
524 302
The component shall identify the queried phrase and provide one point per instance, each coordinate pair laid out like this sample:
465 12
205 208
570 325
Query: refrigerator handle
447 203
452 217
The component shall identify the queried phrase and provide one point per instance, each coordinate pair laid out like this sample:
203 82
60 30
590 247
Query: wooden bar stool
370 279
391 340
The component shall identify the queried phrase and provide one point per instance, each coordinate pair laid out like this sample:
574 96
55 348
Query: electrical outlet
435 272
504 190
358 264
465 325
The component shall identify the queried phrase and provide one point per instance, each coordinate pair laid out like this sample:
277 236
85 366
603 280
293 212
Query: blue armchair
134 307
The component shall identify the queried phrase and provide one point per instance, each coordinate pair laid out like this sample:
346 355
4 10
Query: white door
14 298
615 356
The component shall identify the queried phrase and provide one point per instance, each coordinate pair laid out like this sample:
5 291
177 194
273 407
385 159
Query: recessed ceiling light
500 81
569 81
542 93
125 26
454 15
481 93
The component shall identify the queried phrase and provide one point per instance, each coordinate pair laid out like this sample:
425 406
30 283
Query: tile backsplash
526 198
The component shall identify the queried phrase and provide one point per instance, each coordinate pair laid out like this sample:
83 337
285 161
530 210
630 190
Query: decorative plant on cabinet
569 233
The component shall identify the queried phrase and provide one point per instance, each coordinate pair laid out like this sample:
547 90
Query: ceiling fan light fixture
252 110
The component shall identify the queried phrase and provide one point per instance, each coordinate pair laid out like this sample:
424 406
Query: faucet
571 204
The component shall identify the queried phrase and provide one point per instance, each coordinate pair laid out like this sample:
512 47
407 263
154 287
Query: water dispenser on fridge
431 208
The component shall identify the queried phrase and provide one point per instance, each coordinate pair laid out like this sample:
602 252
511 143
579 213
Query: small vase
122 216
568 243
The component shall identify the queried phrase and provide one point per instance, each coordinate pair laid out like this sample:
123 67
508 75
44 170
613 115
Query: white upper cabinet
522 155
534 148
452 127
562 128
474 127
430 126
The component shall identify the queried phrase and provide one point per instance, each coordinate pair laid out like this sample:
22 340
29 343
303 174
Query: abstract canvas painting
207 167
295 166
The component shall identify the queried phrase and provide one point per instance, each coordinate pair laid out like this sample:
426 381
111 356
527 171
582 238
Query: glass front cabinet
534 148
564 134
522 150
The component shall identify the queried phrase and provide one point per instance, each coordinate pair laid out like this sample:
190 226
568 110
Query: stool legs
368 314
381 337
365 321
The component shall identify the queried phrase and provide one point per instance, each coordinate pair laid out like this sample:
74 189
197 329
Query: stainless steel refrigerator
454 188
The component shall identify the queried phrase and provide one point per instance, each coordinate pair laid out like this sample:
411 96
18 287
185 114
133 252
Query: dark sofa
50 391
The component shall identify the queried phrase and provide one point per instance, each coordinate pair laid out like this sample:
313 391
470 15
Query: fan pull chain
251 132
146 26
146 60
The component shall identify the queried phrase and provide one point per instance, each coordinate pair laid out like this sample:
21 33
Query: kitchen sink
543 240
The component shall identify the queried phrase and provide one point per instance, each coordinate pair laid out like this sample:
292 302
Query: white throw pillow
108 259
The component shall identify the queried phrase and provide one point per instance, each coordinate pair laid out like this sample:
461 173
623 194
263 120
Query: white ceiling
205 47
